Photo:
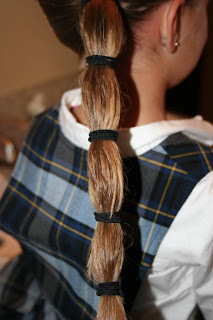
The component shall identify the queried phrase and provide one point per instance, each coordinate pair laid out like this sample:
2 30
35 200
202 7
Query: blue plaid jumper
46 207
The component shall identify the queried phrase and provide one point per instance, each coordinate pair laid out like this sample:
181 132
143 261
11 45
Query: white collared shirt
182 272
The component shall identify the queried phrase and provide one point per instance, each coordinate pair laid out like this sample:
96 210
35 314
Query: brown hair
64 17
102 34
98 29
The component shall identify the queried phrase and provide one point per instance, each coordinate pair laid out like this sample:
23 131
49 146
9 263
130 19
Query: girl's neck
142 92
143 96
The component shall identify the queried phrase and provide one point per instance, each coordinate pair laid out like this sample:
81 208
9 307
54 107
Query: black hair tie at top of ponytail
84 2
103 135
105 217
101 60
108 289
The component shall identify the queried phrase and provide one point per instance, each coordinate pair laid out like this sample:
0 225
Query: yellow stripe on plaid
158 211
11 194
163 165
56 274
181 155
205 157
64 215
45 249
66 288
54 164
48 215
28 214
51 118
145 264
143 206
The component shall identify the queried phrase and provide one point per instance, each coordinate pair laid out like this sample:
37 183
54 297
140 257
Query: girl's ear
170 27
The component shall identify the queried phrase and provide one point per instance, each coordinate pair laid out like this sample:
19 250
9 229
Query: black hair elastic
105 217
84 2
108 289
103 135
101 60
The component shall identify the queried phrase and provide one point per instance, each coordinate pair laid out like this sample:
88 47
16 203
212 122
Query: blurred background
35 70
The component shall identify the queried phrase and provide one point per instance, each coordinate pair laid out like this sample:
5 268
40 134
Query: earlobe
170 31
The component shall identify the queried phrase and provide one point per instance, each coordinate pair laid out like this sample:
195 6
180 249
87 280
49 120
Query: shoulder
190 236
43 135
194 155
44 123
181 274
38 148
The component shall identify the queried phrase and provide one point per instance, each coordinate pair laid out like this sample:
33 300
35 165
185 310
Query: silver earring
177 44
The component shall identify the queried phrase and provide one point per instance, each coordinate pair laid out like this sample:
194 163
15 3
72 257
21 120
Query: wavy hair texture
103 33
98 29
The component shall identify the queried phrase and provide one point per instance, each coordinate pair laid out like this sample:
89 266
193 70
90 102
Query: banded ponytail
103 34
98 29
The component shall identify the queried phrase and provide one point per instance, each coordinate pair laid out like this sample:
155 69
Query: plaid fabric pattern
47 208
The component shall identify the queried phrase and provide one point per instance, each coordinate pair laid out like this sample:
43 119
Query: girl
150 186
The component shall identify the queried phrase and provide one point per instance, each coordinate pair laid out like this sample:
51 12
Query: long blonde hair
98 29
103 34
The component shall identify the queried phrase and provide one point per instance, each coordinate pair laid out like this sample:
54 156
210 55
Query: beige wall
30 54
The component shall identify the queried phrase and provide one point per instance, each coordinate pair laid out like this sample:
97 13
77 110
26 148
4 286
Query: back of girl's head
64 16
99 27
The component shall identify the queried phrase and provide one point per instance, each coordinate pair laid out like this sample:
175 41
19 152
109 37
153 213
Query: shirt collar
136 140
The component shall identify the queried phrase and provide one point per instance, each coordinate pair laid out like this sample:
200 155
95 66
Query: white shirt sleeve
182 272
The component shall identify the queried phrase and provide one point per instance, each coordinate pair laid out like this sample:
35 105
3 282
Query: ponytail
102 33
